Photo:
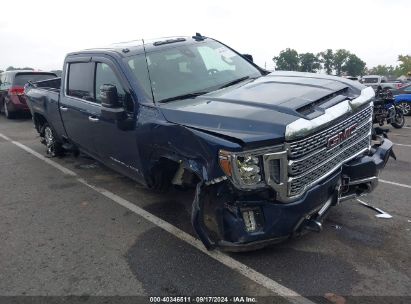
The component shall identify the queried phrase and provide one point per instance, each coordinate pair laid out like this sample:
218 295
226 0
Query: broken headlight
244 169
249 169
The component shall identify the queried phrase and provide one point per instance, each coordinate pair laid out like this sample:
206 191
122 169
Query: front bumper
277 221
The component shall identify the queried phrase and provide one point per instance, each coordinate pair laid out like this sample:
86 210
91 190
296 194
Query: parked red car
12 84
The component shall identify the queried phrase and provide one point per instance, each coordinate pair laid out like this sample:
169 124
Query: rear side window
80 80
22 79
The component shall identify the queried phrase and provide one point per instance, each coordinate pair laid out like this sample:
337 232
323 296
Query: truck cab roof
14 72
128 48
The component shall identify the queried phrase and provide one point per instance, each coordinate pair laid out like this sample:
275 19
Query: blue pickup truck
267 154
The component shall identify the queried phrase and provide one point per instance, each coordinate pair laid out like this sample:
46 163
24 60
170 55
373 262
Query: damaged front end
268 195
240 220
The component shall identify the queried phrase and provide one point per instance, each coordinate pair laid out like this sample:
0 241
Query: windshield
186 69
370 80
22 79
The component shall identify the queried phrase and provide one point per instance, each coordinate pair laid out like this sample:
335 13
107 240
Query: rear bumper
278 221
17 104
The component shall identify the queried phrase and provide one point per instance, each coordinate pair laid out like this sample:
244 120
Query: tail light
16 91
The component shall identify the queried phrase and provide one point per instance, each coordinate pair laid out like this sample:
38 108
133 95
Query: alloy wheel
405 107
50 141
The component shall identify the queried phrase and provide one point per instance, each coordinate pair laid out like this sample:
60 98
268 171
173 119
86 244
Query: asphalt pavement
65 234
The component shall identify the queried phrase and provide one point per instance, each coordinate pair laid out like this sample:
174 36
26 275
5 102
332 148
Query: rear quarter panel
46 103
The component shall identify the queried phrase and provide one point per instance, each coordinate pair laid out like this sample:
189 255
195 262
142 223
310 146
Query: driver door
116 144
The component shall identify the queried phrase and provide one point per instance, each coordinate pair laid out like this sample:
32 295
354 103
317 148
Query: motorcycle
387 110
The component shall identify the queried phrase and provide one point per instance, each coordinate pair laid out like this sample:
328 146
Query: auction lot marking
394 183
402 145
219 256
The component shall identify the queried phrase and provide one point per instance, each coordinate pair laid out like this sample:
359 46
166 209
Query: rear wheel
399 119
405 107
54 146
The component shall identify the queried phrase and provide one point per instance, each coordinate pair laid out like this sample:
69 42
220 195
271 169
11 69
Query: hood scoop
317 108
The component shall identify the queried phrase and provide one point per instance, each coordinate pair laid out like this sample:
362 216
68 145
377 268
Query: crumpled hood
257 112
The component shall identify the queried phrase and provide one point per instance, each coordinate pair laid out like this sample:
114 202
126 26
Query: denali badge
336 139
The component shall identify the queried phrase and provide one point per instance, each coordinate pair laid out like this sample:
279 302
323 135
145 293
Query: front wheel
54 146
405 107
399 119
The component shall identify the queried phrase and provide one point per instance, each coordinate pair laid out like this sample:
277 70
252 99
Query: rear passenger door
78 107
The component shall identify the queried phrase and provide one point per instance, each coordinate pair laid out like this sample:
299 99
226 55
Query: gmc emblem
337 139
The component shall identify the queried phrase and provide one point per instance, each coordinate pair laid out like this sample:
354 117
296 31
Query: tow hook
314 222
313 225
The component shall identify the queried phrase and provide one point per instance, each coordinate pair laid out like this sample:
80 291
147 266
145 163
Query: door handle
63 108
93 118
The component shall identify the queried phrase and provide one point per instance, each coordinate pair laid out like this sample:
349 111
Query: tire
399 119
405 107
54 146
7 113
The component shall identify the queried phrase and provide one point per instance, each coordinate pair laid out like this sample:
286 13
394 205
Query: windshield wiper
184 96
234 82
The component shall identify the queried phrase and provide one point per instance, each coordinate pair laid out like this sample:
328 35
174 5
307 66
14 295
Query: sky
39 33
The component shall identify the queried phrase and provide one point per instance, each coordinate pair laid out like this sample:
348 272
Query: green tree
309 62
354 66
385 70
405 64
288 60
380 69
328 60
340 58
12 68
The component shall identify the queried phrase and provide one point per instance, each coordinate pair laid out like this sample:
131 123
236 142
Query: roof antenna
148 71
198 37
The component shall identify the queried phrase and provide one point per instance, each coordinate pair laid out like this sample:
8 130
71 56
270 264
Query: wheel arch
39 121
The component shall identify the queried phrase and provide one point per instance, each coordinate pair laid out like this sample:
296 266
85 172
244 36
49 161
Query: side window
5 81
105 75
408 89
80 80
139 67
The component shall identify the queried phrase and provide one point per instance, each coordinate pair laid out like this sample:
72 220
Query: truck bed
42 98
53 84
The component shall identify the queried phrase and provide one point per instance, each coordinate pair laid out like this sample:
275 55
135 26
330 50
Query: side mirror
248 57
109 96
111 107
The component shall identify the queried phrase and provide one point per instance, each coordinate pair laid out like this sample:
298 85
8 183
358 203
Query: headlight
244 169
249 169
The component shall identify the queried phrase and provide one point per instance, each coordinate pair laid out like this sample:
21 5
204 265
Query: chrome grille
307 145
310 160
299 183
